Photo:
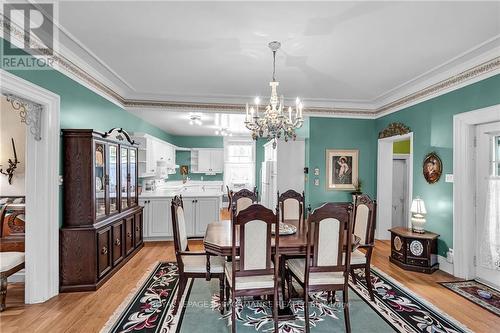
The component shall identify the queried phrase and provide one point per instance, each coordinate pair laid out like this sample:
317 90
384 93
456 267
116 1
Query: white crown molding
476 64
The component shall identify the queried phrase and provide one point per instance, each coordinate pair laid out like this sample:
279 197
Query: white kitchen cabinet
207 211
208 160
198 213
152 150
157 218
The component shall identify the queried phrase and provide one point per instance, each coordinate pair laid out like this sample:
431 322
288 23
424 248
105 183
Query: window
239 163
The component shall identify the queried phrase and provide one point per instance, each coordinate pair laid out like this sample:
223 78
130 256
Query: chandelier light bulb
297 101
257 100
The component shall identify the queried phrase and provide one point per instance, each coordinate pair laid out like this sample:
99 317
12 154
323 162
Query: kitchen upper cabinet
208 160
152 150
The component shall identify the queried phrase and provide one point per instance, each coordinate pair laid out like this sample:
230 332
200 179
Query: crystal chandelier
274 123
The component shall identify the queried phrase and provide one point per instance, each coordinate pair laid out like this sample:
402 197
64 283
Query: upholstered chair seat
198 264
358 258
298 268
9 260
249 282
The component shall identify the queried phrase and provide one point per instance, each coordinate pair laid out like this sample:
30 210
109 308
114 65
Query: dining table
219 239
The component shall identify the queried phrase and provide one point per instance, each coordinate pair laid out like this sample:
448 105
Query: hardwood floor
89 311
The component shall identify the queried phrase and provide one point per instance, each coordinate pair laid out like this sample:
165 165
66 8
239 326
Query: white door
160 219
487 173
399 193
207 211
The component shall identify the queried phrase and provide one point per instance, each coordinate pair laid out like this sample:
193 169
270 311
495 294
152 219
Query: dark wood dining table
218 239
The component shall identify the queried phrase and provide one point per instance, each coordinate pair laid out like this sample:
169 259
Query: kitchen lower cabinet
198 213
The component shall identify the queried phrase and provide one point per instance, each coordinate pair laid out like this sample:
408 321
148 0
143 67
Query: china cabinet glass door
113 179
124 176
133 171
100 173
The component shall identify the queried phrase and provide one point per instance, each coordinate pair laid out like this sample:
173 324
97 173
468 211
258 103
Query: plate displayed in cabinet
98 184
416 248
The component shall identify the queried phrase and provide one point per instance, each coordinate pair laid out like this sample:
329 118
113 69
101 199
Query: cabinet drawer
118 232
138 229
417 262
397 256
129 235
103 251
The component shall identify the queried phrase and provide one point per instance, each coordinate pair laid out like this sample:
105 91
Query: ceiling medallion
274 123
195 119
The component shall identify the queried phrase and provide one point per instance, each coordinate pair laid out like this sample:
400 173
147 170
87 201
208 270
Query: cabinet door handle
118 242
129 234
104 250
137 228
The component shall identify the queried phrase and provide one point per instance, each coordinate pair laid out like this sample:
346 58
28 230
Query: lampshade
418 206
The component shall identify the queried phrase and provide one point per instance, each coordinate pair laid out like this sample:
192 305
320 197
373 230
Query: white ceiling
178 122
331 51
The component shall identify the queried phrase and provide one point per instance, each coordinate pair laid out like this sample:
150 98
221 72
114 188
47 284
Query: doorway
385 175
487 193
399 190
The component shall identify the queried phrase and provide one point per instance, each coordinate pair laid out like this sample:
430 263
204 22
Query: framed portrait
432 168
184 170
341 169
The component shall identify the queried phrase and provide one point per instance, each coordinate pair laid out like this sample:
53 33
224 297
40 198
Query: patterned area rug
395 309
477 293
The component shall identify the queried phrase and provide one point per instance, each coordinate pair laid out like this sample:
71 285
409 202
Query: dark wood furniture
414 251
253 273
192 264
291 205
12 231
242 199
365 212
218 239
326 266
229 198
102 221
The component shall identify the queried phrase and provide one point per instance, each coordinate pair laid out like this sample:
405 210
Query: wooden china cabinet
102 221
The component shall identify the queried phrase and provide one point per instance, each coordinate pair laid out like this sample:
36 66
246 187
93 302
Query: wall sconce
12 164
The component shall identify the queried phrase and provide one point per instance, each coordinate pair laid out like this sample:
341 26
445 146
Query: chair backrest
12 226
179 225
329 228
242 200
291 205
252 231
364 219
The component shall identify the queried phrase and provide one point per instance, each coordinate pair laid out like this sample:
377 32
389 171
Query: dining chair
12 234
229 197
252 273
192 264
326 265
291 206
364 227
242 200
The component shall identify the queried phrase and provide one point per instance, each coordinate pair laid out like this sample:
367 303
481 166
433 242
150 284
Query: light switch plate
448 178
316 181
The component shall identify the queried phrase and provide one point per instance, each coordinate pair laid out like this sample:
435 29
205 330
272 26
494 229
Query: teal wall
432 125
184 157
340 133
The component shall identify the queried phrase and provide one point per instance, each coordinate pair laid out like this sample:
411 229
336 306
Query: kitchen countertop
185 194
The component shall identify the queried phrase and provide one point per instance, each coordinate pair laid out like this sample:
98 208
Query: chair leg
369 282
282 277
233 313
180 292
3 292
227 294
221 293
306 308
288 278
275 309
347 319
353 276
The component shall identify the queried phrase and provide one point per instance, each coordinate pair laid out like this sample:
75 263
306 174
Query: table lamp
418 217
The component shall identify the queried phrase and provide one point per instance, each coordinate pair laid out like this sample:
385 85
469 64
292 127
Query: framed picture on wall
342 169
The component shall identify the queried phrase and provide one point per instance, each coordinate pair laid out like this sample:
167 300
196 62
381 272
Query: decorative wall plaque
432 168
394 129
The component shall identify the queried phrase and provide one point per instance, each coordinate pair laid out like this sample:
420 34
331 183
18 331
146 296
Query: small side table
414 251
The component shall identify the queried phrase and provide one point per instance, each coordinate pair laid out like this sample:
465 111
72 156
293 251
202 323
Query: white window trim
227 142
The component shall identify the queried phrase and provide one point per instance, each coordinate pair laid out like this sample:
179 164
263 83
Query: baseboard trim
17 277
445 265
